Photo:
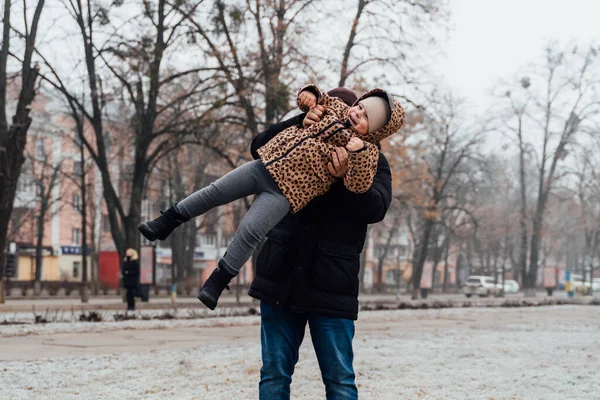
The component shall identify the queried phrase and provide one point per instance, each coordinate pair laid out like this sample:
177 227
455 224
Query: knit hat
346 95
395 122
378 112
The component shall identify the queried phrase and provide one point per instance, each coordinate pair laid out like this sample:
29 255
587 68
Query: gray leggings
268 208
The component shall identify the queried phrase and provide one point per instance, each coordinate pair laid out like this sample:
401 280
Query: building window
76 236
77 168
209 239
40 148
106 224
226 240
76 202
77 140
393 277
166 190
146 209
76 268
127 173
380 251
390 277
39 189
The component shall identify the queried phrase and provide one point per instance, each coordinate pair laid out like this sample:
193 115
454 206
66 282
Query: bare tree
46 173
384 235
13 136
383 32
497 221
588 194
255 79
553 108
133 59
516 133
441 163
181 181
79 177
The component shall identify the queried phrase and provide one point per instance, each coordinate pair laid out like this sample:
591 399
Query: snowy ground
472 353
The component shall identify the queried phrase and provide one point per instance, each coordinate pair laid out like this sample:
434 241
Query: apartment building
48 205
50 185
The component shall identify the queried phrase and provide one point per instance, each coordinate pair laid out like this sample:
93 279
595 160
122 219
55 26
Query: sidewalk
155 302
462 353
228 300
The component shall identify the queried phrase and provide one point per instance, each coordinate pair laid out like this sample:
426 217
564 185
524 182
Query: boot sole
147 232
208 300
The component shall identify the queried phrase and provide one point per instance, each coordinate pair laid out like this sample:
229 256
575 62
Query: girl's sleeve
314 90
333 104
362 166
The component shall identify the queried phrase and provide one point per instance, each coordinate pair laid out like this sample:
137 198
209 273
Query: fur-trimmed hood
396 117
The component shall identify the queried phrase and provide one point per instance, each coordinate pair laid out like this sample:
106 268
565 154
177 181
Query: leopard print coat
297 157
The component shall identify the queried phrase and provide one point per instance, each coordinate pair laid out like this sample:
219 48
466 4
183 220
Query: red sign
427 276
146 262
109 269
549 277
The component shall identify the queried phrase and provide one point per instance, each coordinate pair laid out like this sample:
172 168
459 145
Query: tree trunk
523 206
536 237
445 284
11 161
363 260
83 210
350 44
95 271
418 268
38 249
13 138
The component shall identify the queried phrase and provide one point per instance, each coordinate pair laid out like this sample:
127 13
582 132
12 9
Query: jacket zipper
299 143
333 133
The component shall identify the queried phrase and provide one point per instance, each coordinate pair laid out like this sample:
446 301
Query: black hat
346 95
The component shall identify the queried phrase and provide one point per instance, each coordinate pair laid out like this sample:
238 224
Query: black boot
214 285
161 227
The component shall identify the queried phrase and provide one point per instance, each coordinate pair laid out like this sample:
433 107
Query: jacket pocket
274 260
336 269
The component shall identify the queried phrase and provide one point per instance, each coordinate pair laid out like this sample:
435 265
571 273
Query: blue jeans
282 332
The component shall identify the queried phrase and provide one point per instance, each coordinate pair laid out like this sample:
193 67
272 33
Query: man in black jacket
307 272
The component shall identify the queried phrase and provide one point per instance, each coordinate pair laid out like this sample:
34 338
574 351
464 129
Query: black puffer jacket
131 273
311 259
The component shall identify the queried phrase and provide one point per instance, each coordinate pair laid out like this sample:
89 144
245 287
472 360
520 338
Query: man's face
359 119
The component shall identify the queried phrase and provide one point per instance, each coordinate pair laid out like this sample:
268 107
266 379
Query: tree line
196 80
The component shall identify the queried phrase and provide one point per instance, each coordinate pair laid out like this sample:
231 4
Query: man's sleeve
262 138
372 205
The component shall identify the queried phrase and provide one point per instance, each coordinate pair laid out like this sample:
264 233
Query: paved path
117 303
178 334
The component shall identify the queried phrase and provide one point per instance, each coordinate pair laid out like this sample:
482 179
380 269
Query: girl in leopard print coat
292 170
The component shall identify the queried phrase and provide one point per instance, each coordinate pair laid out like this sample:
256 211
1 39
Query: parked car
586 287
482 286
581 287
511 286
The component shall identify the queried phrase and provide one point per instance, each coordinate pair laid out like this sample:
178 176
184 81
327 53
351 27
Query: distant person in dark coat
130 270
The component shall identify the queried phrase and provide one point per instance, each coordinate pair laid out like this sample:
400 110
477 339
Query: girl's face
359 119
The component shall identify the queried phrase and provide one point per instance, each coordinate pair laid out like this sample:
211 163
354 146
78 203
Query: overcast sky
492 39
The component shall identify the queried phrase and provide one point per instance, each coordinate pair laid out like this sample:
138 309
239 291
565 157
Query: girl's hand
313 116
355 144
307 99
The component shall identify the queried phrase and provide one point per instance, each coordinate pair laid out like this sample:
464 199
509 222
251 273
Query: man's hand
355 144
307 99
313 116
339 167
